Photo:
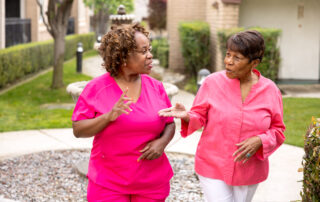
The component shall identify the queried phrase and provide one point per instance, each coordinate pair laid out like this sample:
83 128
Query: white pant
218 191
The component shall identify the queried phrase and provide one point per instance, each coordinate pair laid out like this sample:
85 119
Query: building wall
81 17
2 25
38 29
32 12
220 15
300 40
216 12
178 11
140 9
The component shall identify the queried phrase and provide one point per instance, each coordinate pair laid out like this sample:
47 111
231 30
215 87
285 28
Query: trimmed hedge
18 61
160 50
311 163
195 43
269 67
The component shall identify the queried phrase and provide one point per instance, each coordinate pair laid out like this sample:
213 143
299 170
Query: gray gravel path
51 176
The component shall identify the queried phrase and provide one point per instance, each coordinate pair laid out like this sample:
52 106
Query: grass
297 117
20 107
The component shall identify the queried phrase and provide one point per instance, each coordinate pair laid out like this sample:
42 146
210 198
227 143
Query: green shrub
269 67
18 61
311 163
160 50
195 42
191 86
163 55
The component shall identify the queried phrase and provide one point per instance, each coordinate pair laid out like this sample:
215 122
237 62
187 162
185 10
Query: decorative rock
82 167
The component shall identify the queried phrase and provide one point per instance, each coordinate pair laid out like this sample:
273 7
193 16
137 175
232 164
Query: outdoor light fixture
202 74
79 57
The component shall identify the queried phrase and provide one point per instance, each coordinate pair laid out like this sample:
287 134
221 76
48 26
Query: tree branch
65 9
52 16
44 19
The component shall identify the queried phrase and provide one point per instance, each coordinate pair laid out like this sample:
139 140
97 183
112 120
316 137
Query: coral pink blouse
113 160
227 121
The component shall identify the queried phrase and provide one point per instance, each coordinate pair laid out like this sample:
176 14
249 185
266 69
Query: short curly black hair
249 43
117 44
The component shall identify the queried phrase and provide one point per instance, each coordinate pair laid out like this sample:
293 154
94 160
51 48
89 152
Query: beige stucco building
298 19
27 12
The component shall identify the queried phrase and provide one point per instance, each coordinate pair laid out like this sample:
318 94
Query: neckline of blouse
121 91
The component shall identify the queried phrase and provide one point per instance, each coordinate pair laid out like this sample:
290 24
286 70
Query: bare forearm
90 127
168 133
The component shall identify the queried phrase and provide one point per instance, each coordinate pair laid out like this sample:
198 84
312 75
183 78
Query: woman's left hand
152 150
247 148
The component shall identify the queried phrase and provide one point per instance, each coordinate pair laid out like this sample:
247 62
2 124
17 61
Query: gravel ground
50 176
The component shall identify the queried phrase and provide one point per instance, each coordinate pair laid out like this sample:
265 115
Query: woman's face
237 65
140 61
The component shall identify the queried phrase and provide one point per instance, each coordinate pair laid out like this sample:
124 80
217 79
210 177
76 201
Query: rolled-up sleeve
198 113
274 137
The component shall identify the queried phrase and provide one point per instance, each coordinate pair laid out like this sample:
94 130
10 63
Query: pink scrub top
218 107
113 160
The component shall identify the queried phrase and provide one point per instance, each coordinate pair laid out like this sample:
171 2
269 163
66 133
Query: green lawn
297 117
20 107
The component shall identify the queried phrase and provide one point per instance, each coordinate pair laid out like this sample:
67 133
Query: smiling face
140 61
238 66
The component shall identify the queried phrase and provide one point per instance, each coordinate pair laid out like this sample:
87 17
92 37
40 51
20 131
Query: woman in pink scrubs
120 109
241 112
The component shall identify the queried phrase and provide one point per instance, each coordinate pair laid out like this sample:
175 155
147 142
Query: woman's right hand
121 106
178 111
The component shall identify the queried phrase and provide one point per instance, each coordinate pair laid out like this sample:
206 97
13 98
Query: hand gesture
152 150
178 111
121 106
247 148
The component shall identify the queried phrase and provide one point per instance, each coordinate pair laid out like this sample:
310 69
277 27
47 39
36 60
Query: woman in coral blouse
241 112
120 109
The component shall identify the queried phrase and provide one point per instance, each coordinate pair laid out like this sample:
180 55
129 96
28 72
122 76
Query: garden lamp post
202 74
99 39
79 57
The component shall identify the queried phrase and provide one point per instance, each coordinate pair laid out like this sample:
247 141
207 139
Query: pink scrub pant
97 193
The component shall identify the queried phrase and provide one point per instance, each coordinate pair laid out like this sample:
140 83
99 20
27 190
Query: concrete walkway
282 184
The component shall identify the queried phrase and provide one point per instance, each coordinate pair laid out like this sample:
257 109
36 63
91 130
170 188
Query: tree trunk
58 13
59 50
